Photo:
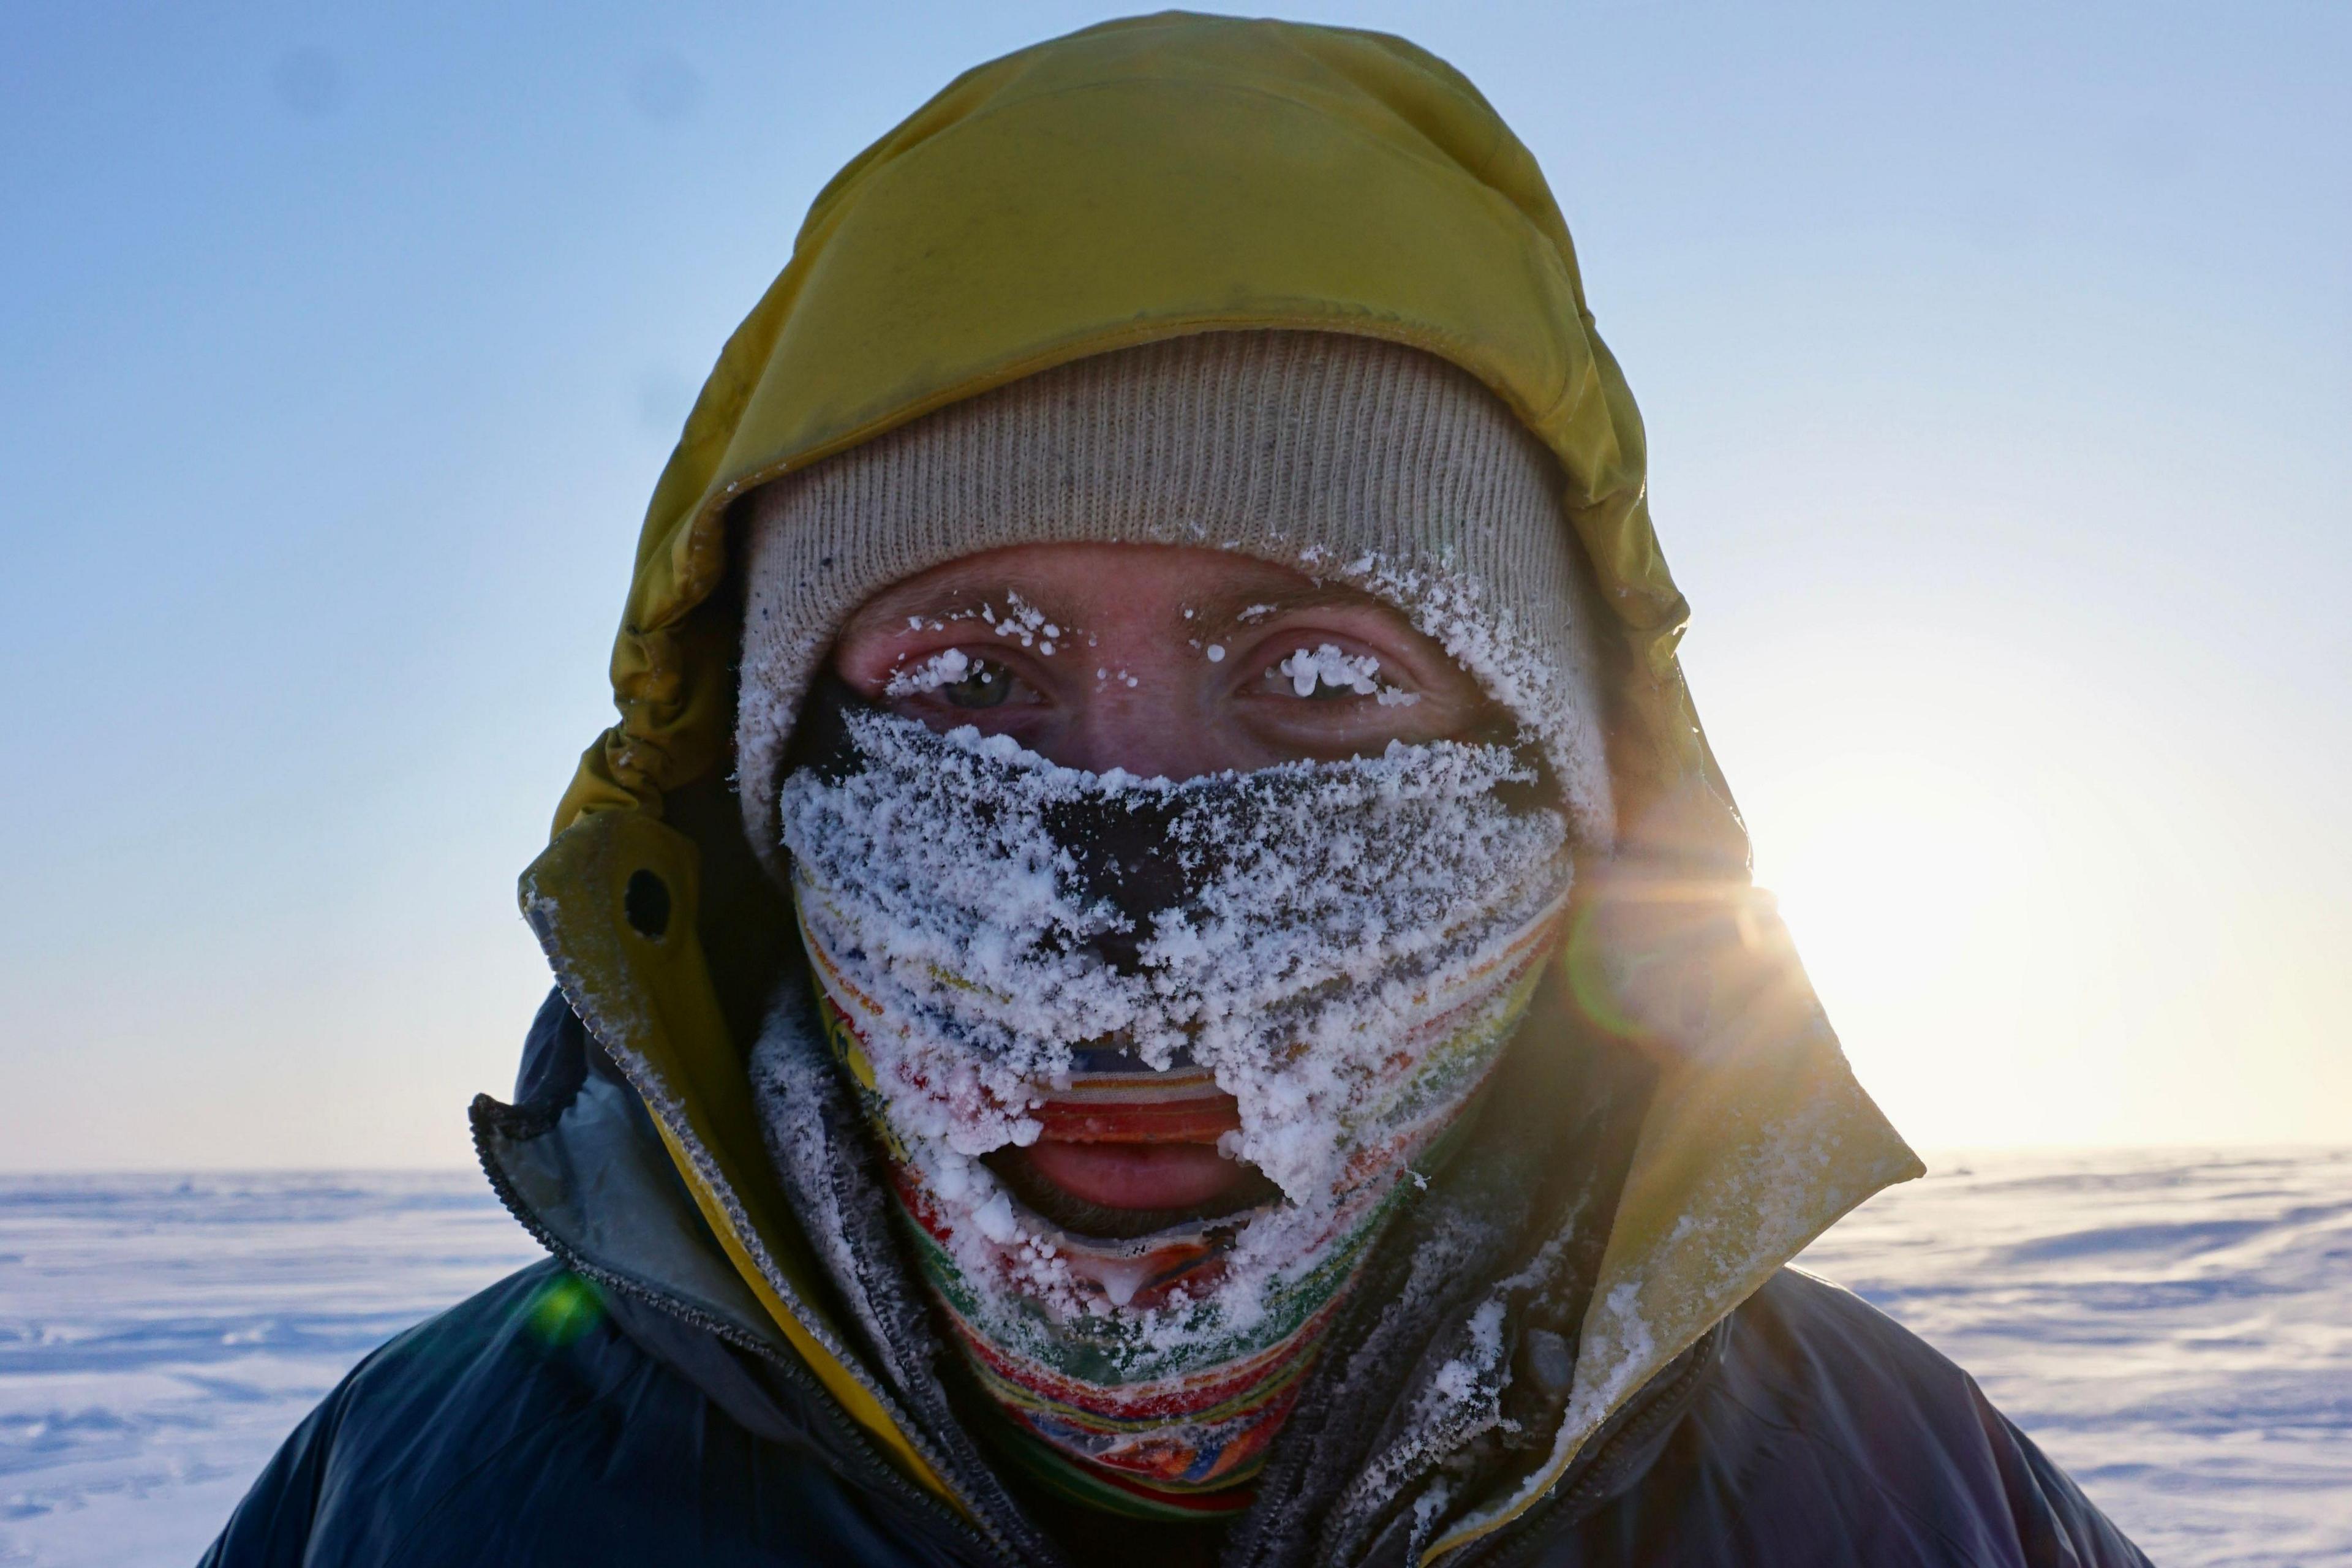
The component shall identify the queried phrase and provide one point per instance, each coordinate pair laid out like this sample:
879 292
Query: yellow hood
1136 181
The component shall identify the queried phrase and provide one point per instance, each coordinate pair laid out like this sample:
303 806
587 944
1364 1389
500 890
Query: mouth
1117 1190
1126 1152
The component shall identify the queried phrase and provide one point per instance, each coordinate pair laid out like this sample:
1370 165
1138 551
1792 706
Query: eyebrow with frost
1163 660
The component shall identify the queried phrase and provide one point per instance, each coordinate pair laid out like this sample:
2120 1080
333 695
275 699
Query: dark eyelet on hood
645 902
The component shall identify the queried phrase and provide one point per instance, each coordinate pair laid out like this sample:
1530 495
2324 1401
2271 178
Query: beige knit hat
1354 459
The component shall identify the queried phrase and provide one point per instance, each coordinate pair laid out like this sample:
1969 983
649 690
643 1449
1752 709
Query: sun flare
1891 872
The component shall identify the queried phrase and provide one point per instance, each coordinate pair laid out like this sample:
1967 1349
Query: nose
1151 722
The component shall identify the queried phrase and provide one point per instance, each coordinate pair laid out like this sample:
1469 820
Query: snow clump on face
943 669
1327 667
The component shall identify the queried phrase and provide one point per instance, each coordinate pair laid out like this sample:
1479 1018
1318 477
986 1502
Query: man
1157 969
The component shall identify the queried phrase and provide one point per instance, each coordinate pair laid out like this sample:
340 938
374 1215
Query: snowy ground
2174 1327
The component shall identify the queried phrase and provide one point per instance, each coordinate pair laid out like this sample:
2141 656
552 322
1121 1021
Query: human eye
1329 673
958 679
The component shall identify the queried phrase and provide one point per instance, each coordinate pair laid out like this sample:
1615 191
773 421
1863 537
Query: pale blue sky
1998 366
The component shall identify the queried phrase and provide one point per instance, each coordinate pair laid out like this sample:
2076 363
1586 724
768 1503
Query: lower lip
1137 1175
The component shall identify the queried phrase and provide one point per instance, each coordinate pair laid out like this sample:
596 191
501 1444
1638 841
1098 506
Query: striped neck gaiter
1312 968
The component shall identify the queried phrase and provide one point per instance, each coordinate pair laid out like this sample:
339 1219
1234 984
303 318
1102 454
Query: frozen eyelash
1329 667
945 668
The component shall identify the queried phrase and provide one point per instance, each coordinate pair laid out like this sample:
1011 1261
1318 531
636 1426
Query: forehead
1076 583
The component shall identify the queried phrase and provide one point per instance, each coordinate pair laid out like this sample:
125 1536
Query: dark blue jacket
619 1404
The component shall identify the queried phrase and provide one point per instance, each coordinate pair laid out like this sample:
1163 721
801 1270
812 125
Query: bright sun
2024 898
1890 872
1939 930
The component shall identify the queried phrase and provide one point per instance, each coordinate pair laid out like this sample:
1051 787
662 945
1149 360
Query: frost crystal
1329 667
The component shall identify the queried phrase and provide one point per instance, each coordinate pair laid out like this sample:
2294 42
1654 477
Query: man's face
1163 661
1157 659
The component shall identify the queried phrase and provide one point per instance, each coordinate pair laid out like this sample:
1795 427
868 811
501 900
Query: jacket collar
655 1173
